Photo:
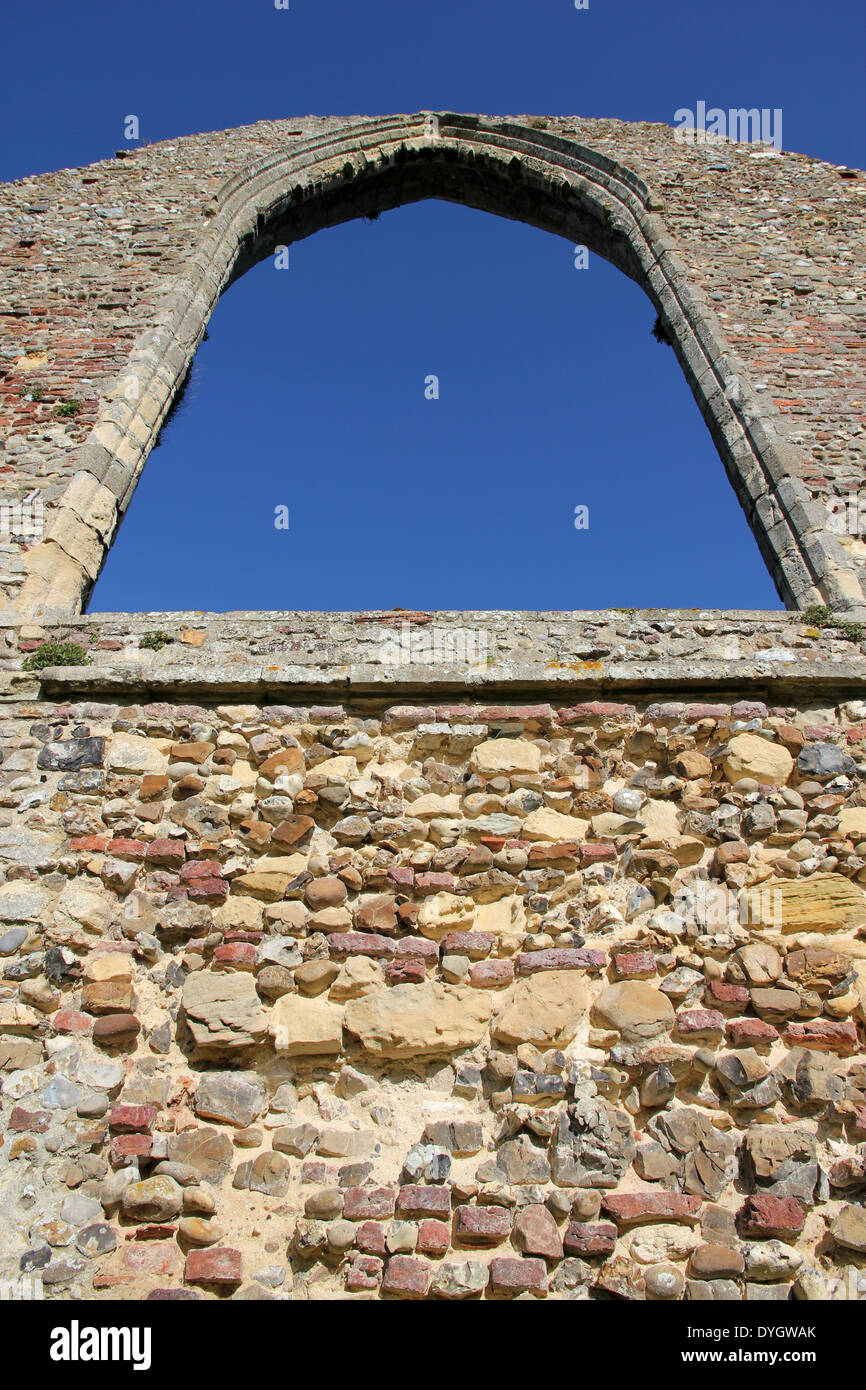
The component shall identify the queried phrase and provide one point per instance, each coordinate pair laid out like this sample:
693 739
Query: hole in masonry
438 411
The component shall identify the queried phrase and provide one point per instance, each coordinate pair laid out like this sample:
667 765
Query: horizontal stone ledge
572 629
771 617
568 626
749 677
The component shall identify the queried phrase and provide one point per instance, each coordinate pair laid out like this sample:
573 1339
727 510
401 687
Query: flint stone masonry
212 1093
433 955
751 257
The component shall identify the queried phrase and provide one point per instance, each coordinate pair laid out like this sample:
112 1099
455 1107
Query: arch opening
529 484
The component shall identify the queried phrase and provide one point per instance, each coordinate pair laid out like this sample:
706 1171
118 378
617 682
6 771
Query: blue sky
553 394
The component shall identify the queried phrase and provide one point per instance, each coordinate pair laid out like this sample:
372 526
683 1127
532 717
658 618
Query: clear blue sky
553 393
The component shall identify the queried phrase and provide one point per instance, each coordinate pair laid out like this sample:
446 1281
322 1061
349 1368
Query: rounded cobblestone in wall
641 1050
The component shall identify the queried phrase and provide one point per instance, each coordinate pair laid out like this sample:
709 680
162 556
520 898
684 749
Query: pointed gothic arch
518 171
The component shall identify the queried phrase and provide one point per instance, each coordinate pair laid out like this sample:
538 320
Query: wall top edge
773 615
270 615
301 131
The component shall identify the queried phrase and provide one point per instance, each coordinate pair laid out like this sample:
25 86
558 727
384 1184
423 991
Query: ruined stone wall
438 998
336 963
753 259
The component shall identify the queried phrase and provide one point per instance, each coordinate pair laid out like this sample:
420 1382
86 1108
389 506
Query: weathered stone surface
638 1208
593 1145
823 903
233 1098
759 963
71 754
824 1035
22 901
12 941
545 824
96 1239
749 755
702 1157
505 755
544 1009
459 1279
219 1266
411 1020
483 1226
589 1240
658 1243
849 1229
269 1174
445 913
306 1027
116 1030
663 1283
284 760
765 1216
535 1233
636 1010
517 1161
156 1199
223 1011
716 1262
782 1160
129 753
296 1139
810 1080
713 1291
771 1260
823 760
406 1277
511 1277
206 1152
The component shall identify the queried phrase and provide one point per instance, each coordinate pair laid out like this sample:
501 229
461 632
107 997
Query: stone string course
455 999
754 261
370 655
